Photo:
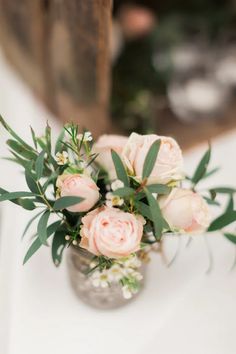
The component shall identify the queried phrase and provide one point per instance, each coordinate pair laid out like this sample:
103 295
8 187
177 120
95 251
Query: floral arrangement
115 198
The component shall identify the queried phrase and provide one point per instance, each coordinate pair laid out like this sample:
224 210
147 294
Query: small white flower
100 279
67 238
115 273
62 158
127 293
113 200
87 136
132 262
117 184
138 276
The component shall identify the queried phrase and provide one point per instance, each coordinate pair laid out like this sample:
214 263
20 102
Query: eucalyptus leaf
27 204
65 202
31 183
124 192
37 243
150 159
59 143
14 195
223 190
42 227
202 167
159 188
222 221
58 245
230 237
30 222
120 169
14 135
156 214
230 205
144 210
39 164
34 138
21 150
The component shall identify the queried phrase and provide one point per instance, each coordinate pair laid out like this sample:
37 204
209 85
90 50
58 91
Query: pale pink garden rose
169 163
103 147
78 185
185 210
111 232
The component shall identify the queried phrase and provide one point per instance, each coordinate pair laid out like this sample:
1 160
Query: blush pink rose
103 147
78 185
169 163
111 232
185 210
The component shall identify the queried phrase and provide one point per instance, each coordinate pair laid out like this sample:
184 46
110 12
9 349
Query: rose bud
111 232
185 210
78 185
103 147
169 163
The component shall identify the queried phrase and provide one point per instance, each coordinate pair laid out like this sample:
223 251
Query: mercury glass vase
78 262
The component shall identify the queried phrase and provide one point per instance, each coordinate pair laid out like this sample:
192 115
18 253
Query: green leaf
156 214
124 192
144 210
230 205
58 245
39 164
211 202
14 135
34 138
222 221
224 190
21 150
159 188
150 159
27 204
48 138
37 243
59 143
230 237
14 195
65 202
31 183
42 227
120 169
30 223
202 167
211 172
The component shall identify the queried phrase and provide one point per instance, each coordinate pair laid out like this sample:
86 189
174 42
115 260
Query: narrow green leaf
211 172
14 135
211 202
21 150
124 192
31 183
30 223
144 210
222 221
58 245
42 227
39 164
150 159
156 214
230 205
14 195
159 188
65 202
202 167
230 237
59 143
120 169
48 138
27 204
37 243
224 190
34 138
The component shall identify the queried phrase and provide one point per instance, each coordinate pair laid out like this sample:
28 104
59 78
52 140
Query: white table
182 309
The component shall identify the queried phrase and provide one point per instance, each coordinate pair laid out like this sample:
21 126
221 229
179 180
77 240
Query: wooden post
61 48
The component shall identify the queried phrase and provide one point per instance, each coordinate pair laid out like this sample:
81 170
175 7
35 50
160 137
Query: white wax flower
100 279
113 200
62 158
87 136
117 184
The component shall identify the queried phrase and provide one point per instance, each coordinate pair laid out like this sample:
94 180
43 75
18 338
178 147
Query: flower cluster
112 198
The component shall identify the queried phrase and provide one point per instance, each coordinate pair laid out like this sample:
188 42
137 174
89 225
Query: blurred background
167 66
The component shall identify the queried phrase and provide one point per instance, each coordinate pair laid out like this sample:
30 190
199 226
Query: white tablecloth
181 310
